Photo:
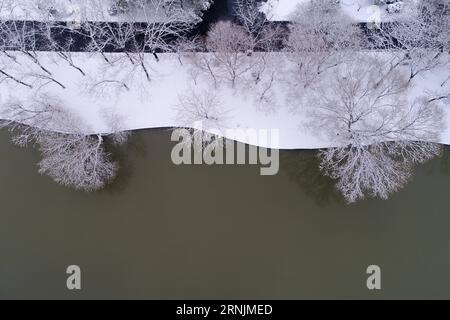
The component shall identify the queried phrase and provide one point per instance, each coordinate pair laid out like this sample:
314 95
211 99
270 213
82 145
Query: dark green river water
178 232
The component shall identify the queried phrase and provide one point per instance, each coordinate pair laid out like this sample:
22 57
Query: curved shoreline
151 105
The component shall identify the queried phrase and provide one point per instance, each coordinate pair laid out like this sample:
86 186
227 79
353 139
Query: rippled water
166 231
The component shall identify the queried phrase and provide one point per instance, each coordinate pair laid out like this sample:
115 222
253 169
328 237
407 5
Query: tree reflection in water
302 167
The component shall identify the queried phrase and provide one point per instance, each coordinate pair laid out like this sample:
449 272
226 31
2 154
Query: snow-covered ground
152 104
368 11
358 10
279 10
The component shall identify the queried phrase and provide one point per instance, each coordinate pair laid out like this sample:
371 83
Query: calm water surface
166 231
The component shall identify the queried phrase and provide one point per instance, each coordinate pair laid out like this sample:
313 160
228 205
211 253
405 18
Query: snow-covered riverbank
143 104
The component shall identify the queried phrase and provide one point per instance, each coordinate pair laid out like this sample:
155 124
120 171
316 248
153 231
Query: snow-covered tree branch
419 39
70 156
321 37
203 115
380 134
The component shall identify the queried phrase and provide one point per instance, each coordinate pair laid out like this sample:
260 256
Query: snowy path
151 105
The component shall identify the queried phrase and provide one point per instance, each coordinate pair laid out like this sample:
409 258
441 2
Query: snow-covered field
152 104
279 10
359 10
368 11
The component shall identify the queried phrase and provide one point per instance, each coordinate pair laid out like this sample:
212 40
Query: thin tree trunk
15 79
36 61
146 71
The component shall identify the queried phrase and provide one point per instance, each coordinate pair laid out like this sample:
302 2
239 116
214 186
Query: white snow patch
280 10
151 104
358 10
369 11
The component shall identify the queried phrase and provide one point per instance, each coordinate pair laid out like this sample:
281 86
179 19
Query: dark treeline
42 36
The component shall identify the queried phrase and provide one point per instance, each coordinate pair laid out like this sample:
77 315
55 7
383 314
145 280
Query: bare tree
117 133
138 34
187 48
379 135
374 170
23 72
265 36
28 122
97 43
23 36
76 160
143 31
228 57
203 114
63 49
321 37
70 156
105 85
418 39
20 39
